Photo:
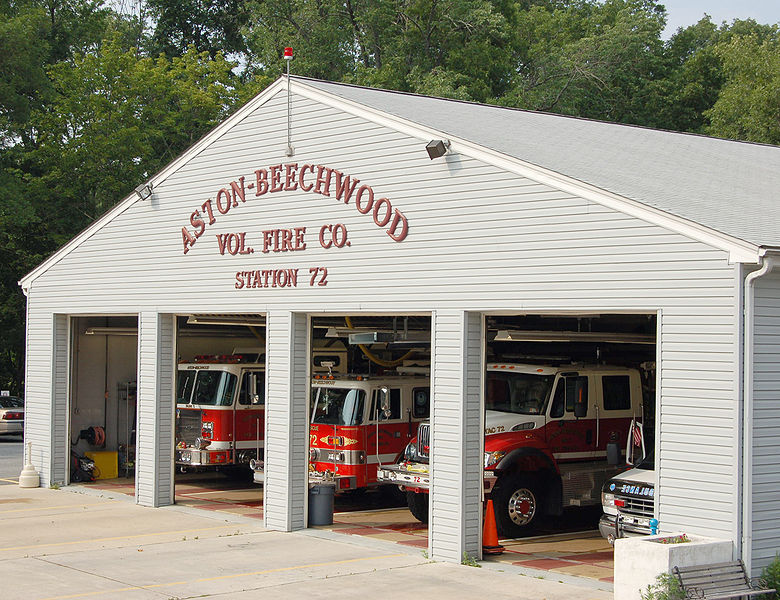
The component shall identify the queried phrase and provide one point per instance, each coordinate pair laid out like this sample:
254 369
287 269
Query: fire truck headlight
492 458
313 455
208 425
607 500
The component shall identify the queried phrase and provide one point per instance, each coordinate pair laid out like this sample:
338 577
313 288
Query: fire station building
318 201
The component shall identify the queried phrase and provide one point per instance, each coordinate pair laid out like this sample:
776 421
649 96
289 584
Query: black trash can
321 504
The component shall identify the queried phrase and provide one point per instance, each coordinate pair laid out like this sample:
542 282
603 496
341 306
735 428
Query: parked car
11 415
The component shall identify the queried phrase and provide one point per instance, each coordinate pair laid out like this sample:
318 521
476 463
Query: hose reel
94 436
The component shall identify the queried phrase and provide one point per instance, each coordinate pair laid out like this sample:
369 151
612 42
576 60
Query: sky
682 13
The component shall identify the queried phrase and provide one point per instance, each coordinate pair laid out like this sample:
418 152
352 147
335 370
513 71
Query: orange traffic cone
490 543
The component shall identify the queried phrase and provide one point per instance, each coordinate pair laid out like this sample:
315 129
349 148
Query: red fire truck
359 423
220 411
220 407
552 438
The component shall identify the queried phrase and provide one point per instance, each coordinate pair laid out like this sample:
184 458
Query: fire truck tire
517 504
418 505
392 493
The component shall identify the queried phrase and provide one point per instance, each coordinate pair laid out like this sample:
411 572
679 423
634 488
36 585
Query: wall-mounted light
437 148
144 190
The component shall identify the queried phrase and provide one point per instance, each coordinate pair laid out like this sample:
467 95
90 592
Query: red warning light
288 54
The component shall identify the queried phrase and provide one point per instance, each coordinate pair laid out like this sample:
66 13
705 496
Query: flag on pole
637 434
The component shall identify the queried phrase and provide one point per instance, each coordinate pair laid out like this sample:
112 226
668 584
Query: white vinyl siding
480 240
38 393
456 431
156 370
59 430
286 422
766 423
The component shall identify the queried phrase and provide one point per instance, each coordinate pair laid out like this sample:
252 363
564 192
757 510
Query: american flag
637 434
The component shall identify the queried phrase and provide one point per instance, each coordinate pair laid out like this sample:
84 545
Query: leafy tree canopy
117 118
748 106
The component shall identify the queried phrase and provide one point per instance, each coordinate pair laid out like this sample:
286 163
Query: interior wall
100 364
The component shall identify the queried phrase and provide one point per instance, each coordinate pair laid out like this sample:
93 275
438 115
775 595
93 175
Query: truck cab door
621 400
250 410
390 421
571 426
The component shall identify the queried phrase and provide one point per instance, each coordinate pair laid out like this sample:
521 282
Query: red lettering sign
287 178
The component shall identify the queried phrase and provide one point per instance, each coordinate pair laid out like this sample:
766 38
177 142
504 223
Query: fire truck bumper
411 475
415 476
629 527
192 457
342 482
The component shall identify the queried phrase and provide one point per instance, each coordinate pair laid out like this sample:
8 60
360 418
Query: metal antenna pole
288 55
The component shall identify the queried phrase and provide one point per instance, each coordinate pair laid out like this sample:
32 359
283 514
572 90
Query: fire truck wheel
517 505
418 505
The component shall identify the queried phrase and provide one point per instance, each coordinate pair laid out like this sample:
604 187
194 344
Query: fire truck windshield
520 393
334 406
206 388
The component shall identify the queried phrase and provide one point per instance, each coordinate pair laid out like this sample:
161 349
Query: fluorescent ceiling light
111 331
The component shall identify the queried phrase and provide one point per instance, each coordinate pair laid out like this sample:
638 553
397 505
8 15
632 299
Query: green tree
455 48
24 242
115 120
588 59
693 74
23 54
748 107
212 26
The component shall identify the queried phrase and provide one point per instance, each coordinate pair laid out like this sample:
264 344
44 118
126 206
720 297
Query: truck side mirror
252 394
384 411
577 396
580 410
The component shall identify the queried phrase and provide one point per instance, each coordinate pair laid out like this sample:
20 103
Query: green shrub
771 574
666 587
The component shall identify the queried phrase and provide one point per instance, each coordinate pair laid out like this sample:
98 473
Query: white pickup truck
628 501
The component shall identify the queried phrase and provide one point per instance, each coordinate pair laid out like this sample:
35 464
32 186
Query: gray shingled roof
731 187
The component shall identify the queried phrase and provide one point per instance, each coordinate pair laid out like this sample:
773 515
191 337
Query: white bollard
29 477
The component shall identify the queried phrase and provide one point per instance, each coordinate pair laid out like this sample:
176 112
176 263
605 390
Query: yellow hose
374 358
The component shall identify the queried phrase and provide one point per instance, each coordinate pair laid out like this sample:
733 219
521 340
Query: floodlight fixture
437 148
144 191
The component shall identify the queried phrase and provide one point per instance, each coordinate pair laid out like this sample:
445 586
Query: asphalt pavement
11 456
74 543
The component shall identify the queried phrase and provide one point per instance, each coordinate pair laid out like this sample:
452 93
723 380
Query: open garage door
102 406
220 411
362 417
569 404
